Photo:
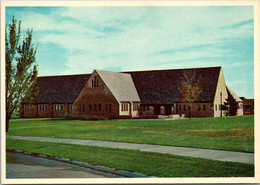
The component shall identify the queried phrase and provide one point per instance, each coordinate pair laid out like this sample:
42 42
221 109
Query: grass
148 163
225 133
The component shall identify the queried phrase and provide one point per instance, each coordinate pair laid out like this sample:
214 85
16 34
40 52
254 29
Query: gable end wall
94 96
221 89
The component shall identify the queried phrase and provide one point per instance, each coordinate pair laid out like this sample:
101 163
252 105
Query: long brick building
127 95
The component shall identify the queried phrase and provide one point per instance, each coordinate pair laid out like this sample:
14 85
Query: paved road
220 155
26 166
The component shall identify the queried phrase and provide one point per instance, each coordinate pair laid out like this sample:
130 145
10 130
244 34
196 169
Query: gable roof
60 89
121 85
149 87
161 86
236 97
247 101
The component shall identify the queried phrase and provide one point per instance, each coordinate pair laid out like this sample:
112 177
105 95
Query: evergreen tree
230 106
21 68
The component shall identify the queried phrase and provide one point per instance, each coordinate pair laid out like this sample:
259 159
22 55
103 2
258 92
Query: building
126 94
248 106
240 110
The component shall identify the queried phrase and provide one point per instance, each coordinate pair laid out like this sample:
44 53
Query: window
70 107
42 107
184 107
198 107
135 107
82 107
94 82
216 107
124 107
110 108
58 107
179 107
90 107
27 108
95 107
204 107
99 107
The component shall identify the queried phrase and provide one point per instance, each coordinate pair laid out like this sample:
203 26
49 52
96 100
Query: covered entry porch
161 109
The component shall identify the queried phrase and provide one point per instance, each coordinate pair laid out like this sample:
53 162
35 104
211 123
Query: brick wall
93 97
30 111
197 109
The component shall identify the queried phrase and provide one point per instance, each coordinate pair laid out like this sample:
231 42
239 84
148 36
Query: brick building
126 94
248 106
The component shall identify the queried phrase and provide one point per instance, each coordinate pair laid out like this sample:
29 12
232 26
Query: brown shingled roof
153 87
161 86
60 89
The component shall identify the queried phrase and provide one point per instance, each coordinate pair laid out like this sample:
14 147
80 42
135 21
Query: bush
15 115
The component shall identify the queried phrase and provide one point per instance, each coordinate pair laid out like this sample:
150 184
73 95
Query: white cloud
136 33
140 38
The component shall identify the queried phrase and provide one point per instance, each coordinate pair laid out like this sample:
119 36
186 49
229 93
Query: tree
21 68
230 106
189 88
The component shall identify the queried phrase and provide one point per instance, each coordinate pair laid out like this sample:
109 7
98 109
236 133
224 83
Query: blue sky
77 40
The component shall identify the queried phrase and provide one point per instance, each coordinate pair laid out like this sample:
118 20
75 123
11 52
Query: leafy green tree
21 68
189 88
230 106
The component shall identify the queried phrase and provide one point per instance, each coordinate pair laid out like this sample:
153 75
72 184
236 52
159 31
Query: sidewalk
219 155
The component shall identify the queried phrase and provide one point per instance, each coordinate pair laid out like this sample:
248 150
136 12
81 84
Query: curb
114 172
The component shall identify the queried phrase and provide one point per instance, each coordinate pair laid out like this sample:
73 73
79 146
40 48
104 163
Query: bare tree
189 88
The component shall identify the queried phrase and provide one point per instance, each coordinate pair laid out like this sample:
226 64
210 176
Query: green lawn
225 133
148 163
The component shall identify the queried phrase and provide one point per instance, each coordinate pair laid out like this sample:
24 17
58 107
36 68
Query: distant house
240 110
126 94
248 106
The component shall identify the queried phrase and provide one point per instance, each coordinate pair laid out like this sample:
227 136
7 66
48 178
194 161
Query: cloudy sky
77 40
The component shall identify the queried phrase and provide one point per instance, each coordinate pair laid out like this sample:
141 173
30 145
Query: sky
77 40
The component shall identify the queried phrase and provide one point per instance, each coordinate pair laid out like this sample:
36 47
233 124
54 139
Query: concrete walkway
220 155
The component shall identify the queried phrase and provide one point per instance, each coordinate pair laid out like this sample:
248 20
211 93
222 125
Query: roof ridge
65 75
123 72
112 72
152 70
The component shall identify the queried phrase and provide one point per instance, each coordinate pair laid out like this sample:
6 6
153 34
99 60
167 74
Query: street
26 166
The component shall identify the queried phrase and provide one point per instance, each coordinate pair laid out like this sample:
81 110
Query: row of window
27 108
58 107
94 82
106 107
95 108
124 107
186 108
136 107
44 107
